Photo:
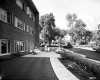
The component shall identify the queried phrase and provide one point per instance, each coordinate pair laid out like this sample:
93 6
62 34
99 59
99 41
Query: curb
85 48
60 70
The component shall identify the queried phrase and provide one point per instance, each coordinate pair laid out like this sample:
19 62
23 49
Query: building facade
19 30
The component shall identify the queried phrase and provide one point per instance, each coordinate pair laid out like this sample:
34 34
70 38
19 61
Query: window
27 28
19 24
31 30
29 13
19 46
19 3
33 18
4 46
3 15
10 18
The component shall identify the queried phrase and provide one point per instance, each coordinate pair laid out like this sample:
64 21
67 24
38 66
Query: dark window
3 46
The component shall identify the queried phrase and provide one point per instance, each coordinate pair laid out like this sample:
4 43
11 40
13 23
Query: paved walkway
27 68
60 70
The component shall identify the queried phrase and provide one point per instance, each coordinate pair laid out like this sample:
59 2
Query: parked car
67 45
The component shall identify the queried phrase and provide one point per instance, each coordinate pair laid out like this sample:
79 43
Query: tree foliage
47 23
71 18
47 19
59 33
77 29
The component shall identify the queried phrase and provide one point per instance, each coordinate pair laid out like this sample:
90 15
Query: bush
15 54
18 54
90 65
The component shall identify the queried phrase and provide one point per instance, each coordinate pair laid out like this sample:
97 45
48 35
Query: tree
59 33
47 19
71 18
79 23
77 28
88 36
47 23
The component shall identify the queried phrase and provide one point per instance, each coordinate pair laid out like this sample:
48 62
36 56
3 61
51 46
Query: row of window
8 18
19 46
26 9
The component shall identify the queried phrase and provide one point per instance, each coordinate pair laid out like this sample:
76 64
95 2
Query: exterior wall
10 32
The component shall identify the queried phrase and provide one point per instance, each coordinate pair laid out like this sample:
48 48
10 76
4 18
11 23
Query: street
27 68
88 53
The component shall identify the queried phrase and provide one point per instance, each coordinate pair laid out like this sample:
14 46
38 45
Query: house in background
19 26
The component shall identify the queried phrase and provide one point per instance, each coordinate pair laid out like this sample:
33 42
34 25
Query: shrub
85 62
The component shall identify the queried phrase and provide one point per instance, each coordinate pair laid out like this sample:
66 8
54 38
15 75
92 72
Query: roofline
31 3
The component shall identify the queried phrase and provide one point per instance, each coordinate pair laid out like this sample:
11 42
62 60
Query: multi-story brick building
19 30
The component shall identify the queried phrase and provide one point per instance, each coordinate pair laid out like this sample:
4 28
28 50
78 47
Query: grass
84 63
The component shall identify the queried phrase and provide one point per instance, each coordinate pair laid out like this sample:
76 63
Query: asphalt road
27 68
90 54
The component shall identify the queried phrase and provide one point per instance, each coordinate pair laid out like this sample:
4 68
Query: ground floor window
4 46
19 46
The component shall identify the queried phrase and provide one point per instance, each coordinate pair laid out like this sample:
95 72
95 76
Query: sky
87 10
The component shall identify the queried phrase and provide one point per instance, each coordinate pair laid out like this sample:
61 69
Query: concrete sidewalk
44 54
60 70
87 48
